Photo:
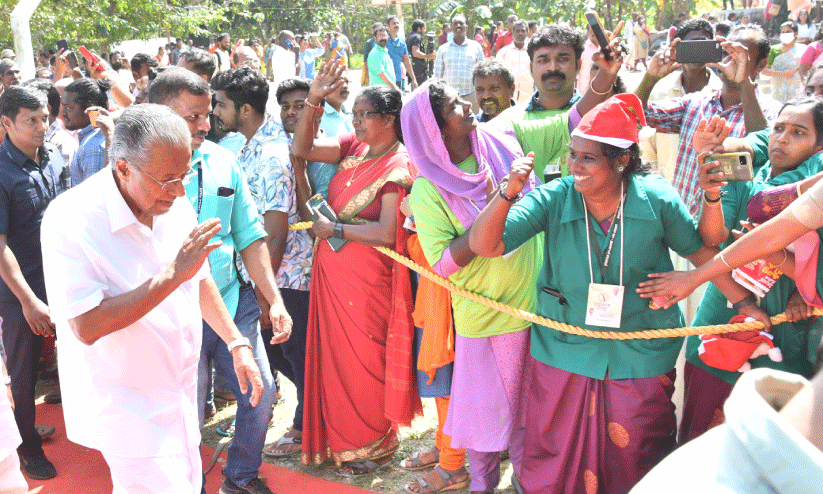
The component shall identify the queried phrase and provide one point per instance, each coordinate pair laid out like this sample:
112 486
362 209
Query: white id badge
605 305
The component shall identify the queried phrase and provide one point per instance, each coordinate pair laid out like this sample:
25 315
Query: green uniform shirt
510 281
655 220
239 225
532 110
380 61
798 341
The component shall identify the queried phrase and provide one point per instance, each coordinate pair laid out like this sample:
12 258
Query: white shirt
521 67
283 64
133 392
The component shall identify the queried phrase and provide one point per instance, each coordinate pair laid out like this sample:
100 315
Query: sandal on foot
285 441
419 462
359 468
227 431
450 481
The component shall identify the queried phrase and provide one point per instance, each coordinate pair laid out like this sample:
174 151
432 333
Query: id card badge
605 305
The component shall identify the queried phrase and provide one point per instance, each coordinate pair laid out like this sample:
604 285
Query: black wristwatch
748 300
338 230
507 198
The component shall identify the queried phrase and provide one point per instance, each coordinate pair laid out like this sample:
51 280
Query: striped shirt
681 116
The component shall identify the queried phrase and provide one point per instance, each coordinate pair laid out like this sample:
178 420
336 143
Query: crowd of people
146 210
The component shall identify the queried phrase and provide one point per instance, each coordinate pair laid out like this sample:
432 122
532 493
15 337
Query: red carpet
83 471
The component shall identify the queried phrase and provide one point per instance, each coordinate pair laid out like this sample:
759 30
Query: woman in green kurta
788 156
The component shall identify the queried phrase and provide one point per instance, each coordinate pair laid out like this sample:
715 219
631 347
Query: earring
620 169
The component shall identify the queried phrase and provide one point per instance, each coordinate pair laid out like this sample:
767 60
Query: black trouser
289 357
22 354
731 3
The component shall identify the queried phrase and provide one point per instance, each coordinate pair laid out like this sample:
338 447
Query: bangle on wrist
507 198
785 256
338 230
316 107
595 91
724 261
712 201
747 300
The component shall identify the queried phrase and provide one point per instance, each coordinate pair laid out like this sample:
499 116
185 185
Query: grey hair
142 126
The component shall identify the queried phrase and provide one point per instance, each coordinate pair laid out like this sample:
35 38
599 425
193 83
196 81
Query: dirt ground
390 479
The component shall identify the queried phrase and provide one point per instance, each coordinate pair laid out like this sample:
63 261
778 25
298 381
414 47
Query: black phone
72 58
597 27
225 191
699 51
62 45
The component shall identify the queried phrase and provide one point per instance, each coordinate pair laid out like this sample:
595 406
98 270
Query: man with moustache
555 55
285 57
505 38
494 85
221 52
738 101
455 60
219 190
381 67
399 53
241 96
661 148
336 118
516 55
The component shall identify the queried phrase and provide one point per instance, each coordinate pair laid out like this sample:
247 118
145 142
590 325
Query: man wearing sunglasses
218 189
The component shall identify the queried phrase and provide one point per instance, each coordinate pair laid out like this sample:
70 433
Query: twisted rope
568 328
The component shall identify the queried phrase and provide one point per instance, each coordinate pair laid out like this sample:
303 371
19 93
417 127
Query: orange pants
450 458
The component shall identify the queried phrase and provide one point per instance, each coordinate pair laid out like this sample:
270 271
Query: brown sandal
450 480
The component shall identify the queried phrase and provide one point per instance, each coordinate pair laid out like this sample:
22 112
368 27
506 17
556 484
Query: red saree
360 376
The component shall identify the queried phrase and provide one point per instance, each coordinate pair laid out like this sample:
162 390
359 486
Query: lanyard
199 190
613 229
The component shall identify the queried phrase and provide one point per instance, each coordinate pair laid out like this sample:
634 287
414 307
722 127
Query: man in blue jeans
219 190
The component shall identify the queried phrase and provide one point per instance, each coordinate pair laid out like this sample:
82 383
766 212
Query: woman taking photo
359 369
598 411
786 83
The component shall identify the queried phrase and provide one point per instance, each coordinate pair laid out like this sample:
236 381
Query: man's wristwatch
242 341
748 300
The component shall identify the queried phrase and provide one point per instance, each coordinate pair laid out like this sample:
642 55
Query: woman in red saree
359 371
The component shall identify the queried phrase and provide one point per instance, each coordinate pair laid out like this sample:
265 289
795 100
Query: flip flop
450 479
272 450
228 431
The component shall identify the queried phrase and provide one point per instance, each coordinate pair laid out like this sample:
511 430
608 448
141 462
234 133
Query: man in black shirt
415 44
29 180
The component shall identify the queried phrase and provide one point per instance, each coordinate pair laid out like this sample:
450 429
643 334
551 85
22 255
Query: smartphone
317 202
90 57
699 51
72 58
736 167
62 45
597 27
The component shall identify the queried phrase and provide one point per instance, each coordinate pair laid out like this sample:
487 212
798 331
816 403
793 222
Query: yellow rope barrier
568 328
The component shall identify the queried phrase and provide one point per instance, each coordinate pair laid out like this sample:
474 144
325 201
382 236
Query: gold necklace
360 159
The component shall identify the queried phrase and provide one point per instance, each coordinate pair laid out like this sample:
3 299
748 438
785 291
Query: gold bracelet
785 256
316 107
595 91
724 261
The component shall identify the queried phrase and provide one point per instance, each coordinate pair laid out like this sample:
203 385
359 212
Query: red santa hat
731 351
616 121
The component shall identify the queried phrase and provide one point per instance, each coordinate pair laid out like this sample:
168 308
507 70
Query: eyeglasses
168 184
360 115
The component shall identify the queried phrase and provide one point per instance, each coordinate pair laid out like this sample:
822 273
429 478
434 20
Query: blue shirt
307 59
91 155
235 207
234 142
397 48
26 189
335 123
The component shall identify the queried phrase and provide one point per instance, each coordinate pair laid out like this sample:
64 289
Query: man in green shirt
381 68
555 55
